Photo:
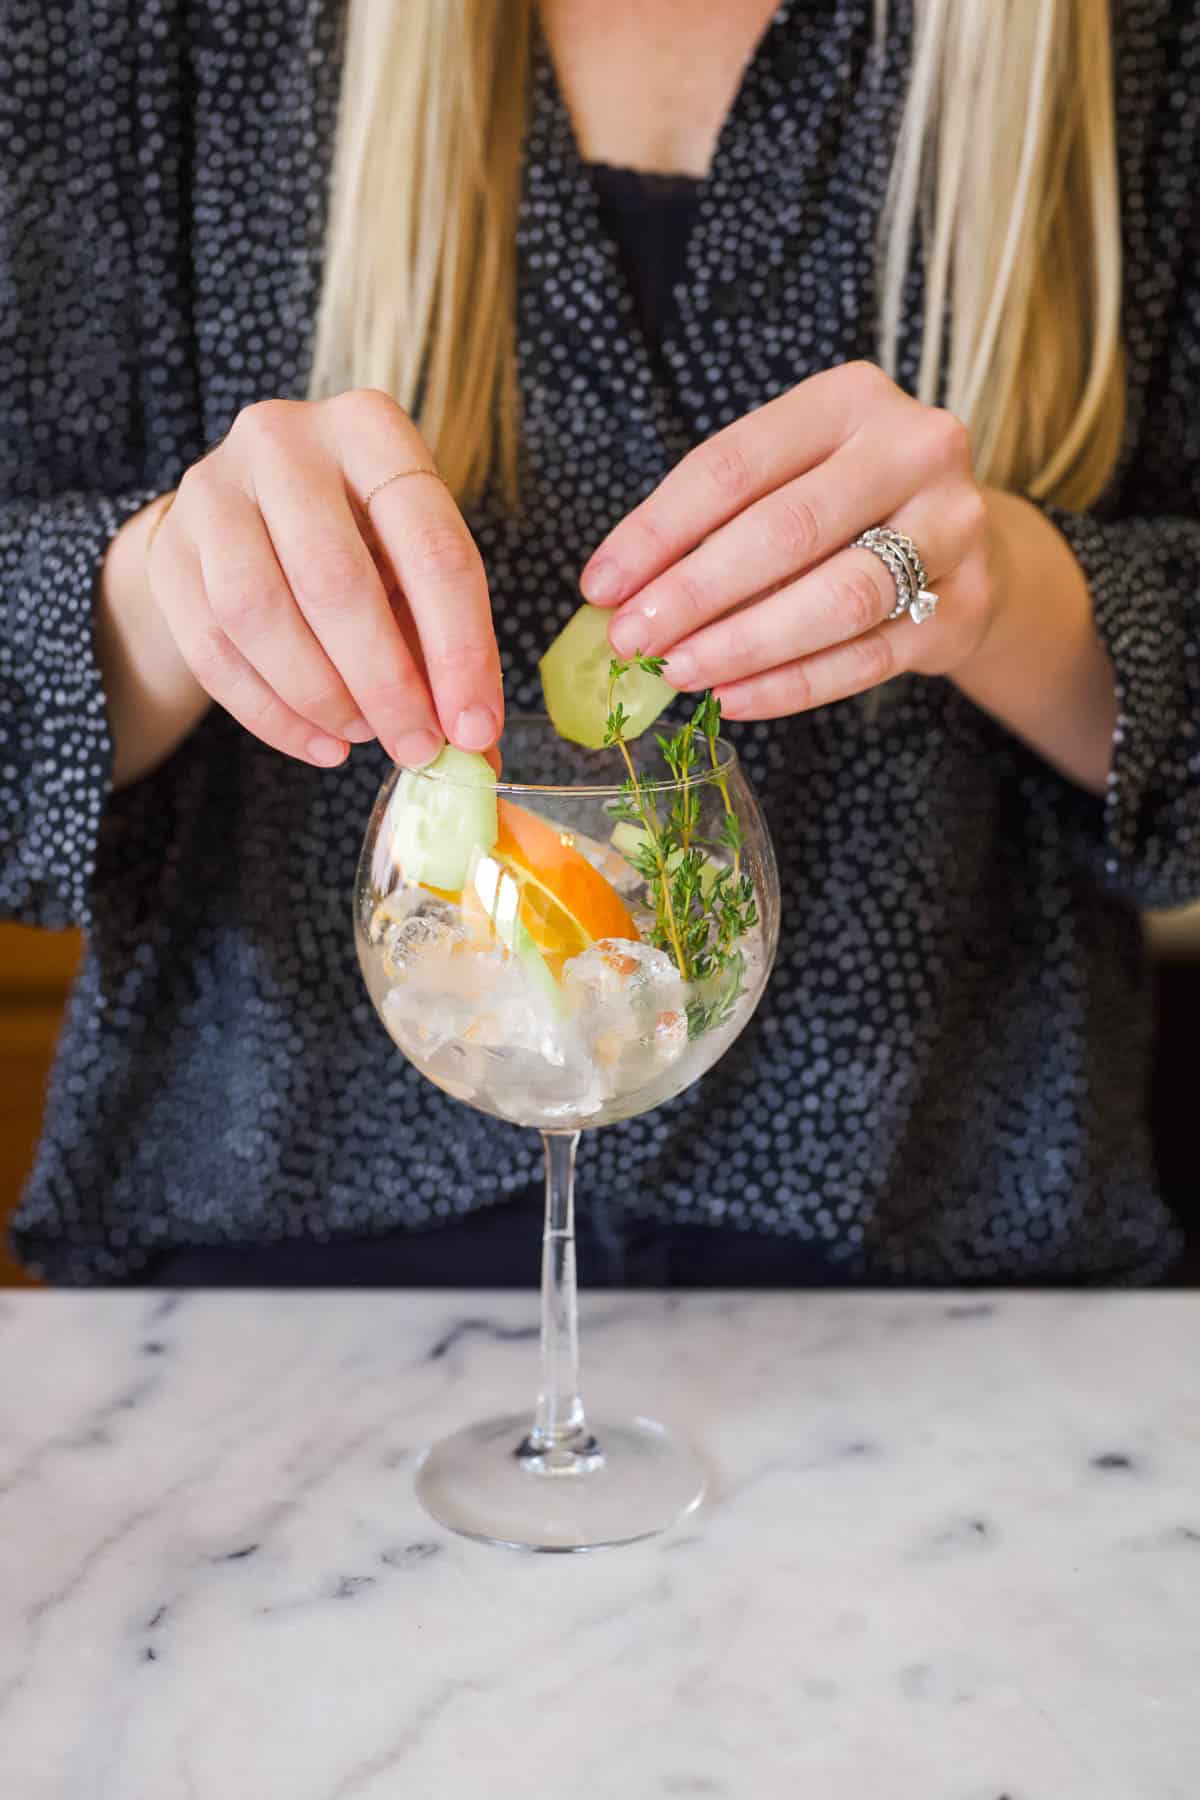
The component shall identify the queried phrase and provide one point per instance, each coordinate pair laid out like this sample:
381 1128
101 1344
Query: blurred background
36 968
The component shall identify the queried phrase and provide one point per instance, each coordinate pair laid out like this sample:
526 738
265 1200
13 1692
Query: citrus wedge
564 897
548 852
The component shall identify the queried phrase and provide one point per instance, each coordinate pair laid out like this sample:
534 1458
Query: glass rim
727 762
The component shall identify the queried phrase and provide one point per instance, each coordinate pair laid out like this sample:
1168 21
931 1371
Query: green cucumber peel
631 841
443 816
575 675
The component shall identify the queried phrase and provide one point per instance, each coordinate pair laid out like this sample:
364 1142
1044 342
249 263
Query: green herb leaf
653 665
697 925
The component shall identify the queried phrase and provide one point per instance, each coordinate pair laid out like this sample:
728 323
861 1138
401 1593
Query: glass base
627 1481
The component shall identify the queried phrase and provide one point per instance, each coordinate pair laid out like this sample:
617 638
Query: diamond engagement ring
896 550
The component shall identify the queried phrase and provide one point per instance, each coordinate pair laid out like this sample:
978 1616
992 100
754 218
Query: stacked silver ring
896 550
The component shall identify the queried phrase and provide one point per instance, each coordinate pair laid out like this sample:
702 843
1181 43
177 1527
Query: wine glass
522 955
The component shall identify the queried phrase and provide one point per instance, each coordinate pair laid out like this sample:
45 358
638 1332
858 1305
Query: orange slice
547 853
565 904
552 934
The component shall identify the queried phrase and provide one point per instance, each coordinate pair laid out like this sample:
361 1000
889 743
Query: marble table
952 1553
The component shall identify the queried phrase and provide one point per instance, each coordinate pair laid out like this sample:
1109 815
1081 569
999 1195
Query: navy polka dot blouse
945 1081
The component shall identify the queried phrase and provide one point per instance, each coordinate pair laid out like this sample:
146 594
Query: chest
779 268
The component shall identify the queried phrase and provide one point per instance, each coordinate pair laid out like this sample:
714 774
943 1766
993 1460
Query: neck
648 83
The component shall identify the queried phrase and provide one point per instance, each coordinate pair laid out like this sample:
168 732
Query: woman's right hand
314 625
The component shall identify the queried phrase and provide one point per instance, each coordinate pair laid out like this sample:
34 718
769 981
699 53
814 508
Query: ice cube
411 920
424 933
525 1019
670 1034
629 1004
421 1022
458 1068
597 976
427 930
633 978
459 1012
531 1090
392 911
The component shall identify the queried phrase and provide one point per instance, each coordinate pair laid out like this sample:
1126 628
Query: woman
637 273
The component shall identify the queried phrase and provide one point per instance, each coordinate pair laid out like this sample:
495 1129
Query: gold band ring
400 475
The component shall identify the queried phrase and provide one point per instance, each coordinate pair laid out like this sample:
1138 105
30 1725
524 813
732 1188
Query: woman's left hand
738 567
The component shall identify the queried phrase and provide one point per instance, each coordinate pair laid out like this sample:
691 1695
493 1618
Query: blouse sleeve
1140 548
54 742
98 406
1144 575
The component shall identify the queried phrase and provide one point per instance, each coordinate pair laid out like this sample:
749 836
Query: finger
811 681
437 563
223 671
329 570
404 620
794 528
254 607
898 647
846 596
441 575
718 479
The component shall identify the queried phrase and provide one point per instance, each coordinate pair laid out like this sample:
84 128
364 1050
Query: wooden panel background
36 968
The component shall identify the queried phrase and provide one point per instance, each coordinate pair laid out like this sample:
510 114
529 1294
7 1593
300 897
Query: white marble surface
953 1553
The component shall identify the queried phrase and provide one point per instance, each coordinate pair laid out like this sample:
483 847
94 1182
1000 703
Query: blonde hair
1005 173
419 290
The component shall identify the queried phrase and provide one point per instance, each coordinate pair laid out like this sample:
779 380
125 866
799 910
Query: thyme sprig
699 916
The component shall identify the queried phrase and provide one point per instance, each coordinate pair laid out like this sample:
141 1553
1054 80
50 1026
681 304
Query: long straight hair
1005 174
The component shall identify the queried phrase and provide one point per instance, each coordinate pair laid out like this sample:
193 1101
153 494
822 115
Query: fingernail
601 581
358 732
732 702
327 751
475 728
681 668
627 633
416 748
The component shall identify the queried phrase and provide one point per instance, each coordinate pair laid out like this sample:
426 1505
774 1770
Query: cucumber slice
574 674
444 816
628 839
500 897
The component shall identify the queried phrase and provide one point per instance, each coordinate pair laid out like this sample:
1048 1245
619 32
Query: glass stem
560 1442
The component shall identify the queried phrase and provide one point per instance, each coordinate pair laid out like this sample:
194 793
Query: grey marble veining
952 1553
